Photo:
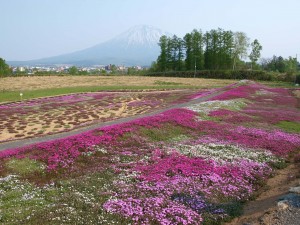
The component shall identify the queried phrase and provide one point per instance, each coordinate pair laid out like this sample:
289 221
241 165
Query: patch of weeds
25 166
179 138
279 164
289 126
232 209
158 82
165 133
126 158
203 116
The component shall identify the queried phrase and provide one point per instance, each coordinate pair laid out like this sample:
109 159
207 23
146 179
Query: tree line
216 49
4 68
280 64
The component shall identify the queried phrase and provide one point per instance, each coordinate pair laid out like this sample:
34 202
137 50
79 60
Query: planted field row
56 114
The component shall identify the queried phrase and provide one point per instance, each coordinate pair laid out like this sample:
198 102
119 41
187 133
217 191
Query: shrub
228 74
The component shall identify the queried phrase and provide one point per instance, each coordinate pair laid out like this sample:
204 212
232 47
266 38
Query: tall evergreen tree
197 43
226 50
188 51
218 51
162 58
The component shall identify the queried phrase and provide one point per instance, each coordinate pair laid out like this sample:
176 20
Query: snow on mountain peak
141 35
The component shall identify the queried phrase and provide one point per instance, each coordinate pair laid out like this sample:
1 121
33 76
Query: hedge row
228 74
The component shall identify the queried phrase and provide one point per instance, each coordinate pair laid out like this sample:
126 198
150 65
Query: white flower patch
226 153
87 198
262 92
207 107
93 149
99 149
126 177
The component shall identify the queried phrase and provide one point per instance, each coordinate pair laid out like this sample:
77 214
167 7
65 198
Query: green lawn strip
24 166
278 84
162 83
167 132
8 96
289 126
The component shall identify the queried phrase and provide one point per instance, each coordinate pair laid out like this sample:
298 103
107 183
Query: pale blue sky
32 29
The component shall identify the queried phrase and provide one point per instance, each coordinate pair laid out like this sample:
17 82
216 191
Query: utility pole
195 65
297 67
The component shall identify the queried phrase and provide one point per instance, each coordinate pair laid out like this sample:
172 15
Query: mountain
136 46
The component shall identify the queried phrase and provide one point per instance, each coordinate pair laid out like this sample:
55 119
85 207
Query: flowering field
193 165
56 114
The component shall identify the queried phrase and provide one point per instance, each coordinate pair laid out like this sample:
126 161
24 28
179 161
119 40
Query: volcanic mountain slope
136 46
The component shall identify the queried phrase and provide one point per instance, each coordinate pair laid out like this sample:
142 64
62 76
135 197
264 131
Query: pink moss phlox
243 91
158 210
231 116
166 175
273 116
176 164
278 142
183 117
204 93
63 152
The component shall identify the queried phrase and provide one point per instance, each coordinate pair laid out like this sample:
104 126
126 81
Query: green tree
73 70
162 58
255 53
197 46
189 59
210 49
218 51
277 64
226 50
240 47
291 65
4 68
176 54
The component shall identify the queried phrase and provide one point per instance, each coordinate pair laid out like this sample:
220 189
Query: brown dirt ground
266 203
44 82
297 93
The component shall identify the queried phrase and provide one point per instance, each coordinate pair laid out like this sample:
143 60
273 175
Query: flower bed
184 166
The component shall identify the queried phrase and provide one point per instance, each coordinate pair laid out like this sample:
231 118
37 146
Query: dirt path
29 141
261 210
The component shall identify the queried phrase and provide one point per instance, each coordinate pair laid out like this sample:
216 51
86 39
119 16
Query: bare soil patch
297 93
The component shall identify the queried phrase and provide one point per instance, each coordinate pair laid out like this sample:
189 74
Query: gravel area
287 216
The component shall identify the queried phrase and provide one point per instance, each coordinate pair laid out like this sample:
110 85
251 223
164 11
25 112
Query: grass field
33 87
